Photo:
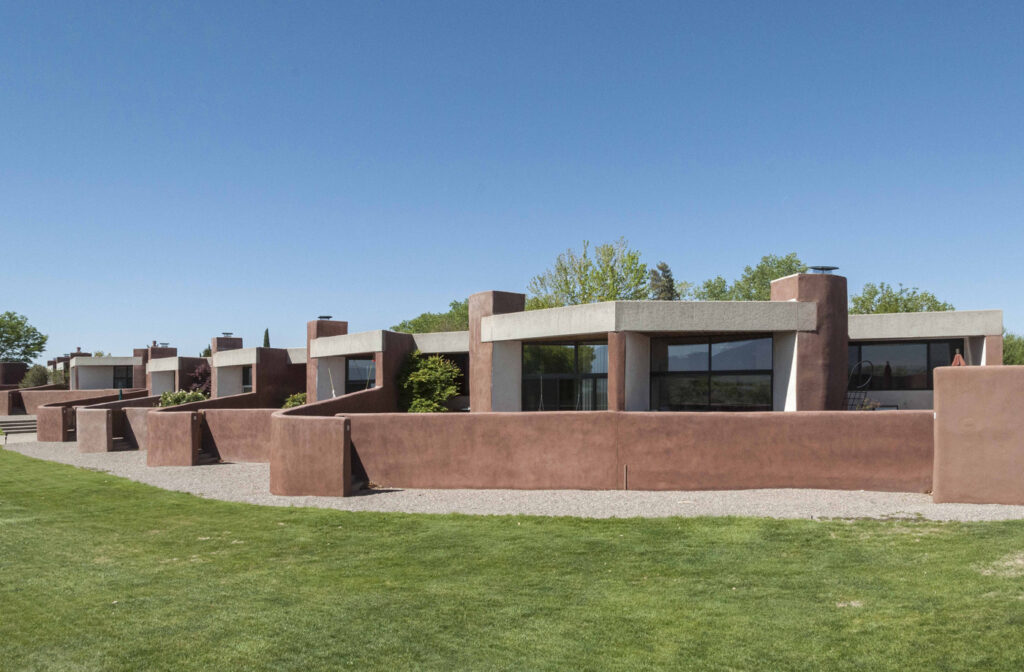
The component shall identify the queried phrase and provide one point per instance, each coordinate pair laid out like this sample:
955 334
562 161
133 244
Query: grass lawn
97 572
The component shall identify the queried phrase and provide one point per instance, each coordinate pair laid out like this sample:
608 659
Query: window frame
710 373
954 344
130 378
576 376
246 388
360 384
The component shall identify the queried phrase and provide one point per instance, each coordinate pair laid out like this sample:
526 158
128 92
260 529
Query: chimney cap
227 334
324 317
826 270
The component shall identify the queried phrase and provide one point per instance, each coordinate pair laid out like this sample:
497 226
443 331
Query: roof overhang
946 324
652 317
106 361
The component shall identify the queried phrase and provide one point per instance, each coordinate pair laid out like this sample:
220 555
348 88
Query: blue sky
169 171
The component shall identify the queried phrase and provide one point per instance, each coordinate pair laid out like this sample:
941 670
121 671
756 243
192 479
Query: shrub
36 375
57 377
425 383
181 397
297 399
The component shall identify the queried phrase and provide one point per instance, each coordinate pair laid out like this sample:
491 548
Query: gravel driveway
250 483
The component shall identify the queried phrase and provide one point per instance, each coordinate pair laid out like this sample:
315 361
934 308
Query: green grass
97 572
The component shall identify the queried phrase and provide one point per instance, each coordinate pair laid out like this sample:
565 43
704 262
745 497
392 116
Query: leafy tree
19 340
266 338
1013 349
754 284
207 352
614 272
662 284
58 377
456 319
426 383
884 298
35 376
99 353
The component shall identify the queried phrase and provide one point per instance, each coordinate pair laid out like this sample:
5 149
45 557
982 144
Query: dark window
565 376
719 373
899 365
360 374
246 379
122 377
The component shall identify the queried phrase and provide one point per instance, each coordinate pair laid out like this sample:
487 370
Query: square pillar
993 352
495 370
616 371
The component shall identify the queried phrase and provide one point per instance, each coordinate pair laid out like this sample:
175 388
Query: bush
57 377
181 397
298 399
425 383
36 375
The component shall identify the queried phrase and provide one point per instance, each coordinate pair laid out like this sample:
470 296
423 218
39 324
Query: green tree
754 284
1013 349
426 383
99 353
19 340
884 298
663 286
35 376
207 352
266 338
613 273
456 319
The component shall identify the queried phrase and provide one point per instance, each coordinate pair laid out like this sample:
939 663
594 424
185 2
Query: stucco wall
239 435
979 434
655 451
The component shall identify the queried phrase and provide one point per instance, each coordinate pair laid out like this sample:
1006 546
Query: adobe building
103 373
170 374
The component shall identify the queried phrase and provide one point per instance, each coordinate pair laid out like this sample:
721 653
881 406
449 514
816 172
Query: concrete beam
361 343
442 342
947 324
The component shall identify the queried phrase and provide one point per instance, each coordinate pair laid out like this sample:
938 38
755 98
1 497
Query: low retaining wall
979 434
845 450
12 402
56 420
98 425
888 451
238 435
173 438
310 456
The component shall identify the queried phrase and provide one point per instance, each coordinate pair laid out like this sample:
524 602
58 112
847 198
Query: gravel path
250 483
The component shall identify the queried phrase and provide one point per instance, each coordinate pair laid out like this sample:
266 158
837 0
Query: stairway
25 424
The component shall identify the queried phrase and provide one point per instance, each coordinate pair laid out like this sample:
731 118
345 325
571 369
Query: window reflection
565 376
723 373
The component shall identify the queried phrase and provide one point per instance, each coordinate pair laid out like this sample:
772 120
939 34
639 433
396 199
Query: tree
883 298
202 378
19 340
613 273
207 352
756 282
35 376
456 319
662 284
266 338
99 353
426 383
1013 349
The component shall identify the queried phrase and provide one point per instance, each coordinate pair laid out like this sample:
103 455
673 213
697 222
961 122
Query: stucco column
482 354
218 344
616 371
993 351
822 355
318 329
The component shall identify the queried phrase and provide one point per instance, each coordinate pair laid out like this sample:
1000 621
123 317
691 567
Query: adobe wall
136 426
34 398
979 434
12 401
481 353
173 439
97 425
275 378
56 420
655 451
238 435
310 456
318 329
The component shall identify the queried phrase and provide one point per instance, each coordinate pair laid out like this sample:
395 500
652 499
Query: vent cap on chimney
826 270
324 317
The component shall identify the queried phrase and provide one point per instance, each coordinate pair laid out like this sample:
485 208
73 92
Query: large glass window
719 373
246 379
899 365
123 377
360 374
565 376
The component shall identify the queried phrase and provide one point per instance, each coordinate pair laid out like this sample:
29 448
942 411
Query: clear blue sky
173 170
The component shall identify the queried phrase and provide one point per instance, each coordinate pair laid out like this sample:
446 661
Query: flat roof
652 317
106 361
247 356
938 324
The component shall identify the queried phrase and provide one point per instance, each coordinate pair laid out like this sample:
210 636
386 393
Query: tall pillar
318 329
993 351
821 355
616 371
484 355
219 344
